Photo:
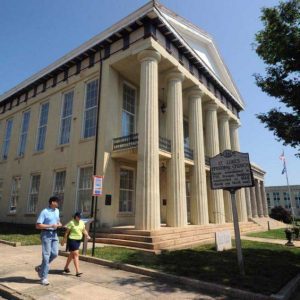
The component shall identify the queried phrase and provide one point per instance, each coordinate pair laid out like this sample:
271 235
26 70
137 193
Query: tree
281 214
278 45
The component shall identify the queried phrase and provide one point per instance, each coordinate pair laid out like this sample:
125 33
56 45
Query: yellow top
76 229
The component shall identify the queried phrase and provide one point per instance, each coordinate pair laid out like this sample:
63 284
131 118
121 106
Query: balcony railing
125 142
164 144
188 153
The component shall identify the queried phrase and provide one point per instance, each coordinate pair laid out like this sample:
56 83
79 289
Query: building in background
147 102
279 196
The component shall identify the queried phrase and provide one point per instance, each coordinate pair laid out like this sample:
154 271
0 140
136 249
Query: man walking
48 221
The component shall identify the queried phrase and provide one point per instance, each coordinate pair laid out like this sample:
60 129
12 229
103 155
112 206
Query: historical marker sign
230 170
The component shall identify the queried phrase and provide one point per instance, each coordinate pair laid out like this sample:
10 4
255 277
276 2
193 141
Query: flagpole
289 190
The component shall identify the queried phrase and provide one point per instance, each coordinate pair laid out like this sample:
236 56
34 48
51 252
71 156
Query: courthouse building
145 103
284 196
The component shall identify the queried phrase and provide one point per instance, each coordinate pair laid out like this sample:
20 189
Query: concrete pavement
98 282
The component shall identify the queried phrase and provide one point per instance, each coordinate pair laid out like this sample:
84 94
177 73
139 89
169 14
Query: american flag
282 157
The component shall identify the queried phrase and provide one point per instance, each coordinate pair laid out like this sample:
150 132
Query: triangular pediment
205 48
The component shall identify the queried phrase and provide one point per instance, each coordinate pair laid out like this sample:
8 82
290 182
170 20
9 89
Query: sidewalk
271 241
98 282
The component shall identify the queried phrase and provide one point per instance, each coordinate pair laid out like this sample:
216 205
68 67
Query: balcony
125 142
188 153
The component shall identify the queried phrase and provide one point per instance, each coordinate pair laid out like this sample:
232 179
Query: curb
286 292
14 244
198 284
13 294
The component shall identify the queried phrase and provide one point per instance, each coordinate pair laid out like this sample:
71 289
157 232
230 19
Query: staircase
169 238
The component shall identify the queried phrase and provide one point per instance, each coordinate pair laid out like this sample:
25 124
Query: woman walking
75 231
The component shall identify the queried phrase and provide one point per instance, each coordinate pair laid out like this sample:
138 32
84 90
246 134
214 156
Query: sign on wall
97 185
230 170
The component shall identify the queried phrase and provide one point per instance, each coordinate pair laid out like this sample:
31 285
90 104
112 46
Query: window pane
85 190
6 142
41 135
90 122
59 187
126 198
34 193
14 197
24 132
128 113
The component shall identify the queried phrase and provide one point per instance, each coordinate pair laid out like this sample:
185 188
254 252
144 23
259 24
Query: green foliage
281 214
278 45
268 266
270 234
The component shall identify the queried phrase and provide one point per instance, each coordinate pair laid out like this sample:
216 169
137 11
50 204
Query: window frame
133 191
62 118
131 86
61 202
90 108
6 140
39 127
22 134
30 194
77 188
15 193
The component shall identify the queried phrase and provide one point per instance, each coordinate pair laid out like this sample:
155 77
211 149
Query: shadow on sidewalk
19 279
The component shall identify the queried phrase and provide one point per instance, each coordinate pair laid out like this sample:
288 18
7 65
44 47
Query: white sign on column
97 185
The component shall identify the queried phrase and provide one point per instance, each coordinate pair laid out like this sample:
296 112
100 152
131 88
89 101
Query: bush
280 214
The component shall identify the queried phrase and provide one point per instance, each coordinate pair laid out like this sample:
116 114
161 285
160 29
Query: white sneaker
45 281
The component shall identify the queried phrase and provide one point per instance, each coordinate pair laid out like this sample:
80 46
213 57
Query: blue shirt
48 216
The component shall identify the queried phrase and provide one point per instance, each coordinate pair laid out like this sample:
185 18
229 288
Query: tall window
287 202
14 196
126 199
128 110
297 199
59 187
276 198
84 192
188 195
24 133
7 136
90 111
66 118
34 193
1 189
268 200
41 135
186 133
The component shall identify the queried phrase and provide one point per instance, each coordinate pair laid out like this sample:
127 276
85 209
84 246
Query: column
224 138
216 202
147 215
264 199
253 202
240 194
176 201
258 199
199 204
248 202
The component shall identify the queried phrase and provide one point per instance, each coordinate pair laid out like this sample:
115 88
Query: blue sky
34 33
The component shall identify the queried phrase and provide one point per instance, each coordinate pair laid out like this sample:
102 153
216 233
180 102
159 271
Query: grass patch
23 233
271 234
268 266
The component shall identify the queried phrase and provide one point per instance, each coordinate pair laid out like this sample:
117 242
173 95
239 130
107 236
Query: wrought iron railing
126 142
188 153
164 144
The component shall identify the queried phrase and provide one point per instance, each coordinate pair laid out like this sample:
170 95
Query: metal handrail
126 142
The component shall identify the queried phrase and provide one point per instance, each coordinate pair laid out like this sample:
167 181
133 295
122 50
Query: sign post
231 170
97 191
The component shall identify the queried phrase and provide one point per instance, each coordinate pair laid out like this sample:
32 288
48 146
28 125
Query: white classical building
144 104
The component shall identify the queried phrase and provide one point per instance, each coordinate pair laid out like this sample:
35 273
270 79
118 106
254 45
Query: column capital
224 116
235 124
211 106
175 75
149 55
195 92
